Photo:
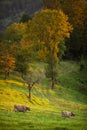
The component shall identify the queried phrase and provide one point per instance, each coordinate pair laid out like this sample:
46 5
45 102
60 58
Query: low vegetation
46 104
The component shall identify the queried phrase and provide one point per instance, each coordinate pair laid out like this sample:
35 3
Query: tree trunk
53 82
29 96
22 75
5 76
53 75
29 88
8 73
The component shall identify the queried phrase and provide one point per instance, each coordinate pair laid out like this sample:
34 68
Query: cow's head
72 114
28 108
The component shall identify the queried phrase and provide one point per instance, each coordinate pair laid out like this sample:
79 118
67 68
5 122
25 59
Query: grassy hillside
46 104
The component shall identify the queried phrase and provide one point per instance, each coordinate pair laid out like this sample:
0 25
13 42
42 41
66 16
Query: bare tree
31 80
31 85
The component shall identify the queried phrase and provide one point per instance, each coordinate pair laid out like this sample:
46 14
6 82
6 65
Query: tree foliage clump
14 33
7 59
23 57
49 28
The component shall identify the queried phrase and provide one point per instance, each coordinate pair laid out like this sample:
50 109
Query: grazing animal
67 114
21 108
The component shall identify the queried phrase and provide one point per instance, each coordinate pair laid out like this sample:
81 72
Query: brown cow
21 108
67 114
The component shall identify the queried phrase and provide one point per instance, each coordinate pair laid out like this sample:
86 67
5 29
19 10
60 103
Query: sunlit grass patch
40 101
9 97
4 82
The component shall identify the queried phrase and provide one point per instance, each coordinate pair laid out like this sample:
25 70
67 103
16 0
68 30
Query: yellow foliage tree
47 29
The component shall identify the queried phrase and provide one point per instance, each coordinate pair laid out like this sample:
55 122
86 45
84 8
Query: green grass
41 120
46 104
70 76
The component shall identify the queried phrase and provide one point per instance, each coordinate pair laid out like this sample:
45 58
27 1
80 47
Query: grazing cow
21 108
67 114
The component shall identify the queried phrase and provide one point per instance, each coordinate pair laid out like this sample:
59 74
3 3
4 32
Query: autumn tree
7 60
77 13
48 29
7 64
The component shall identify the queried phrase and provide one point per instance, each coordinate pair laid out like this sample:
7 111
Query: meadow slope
46 104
